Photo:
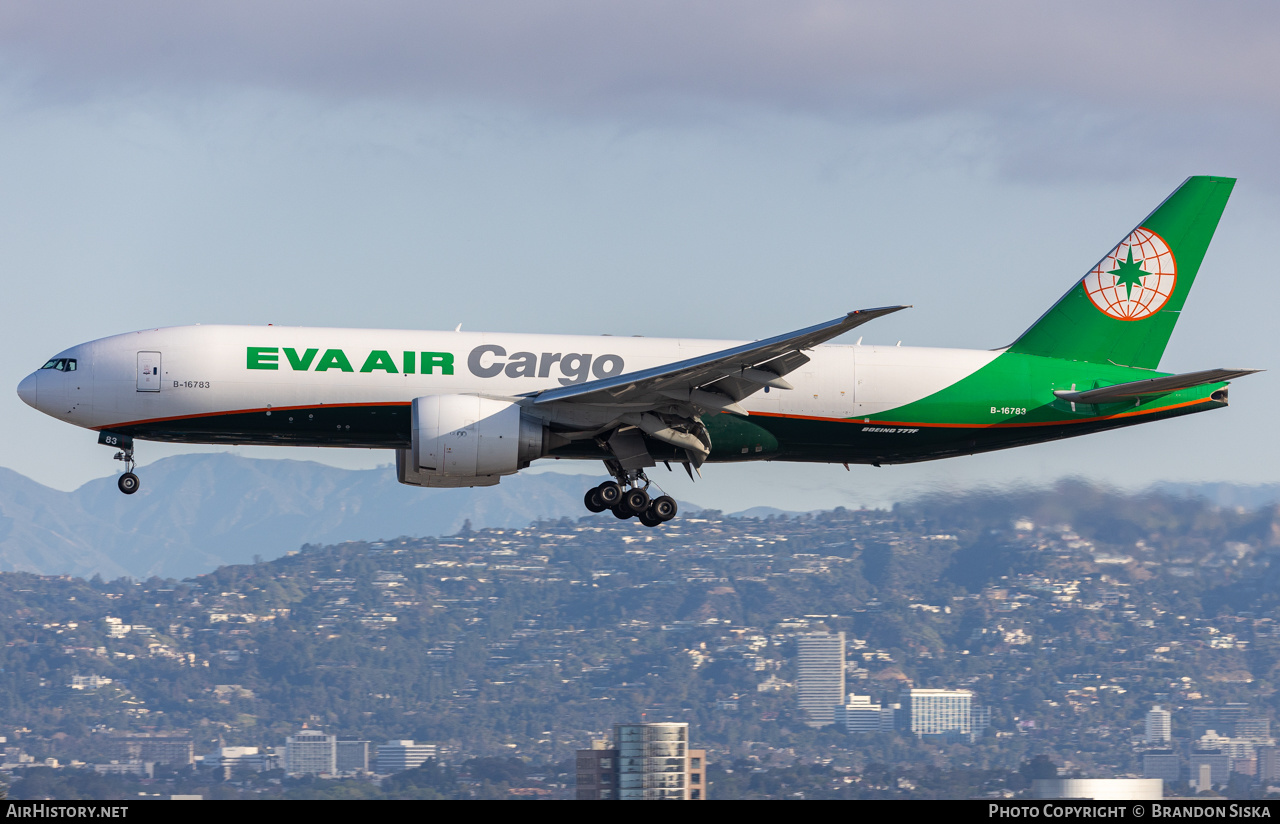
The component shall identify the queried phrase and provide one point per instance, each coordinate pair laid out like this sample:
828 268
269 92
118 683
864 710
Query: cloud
585 54
1072 75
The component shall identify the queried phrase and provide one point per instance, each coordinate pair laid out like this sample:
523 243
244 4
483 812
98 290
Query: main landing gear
626 498
128 482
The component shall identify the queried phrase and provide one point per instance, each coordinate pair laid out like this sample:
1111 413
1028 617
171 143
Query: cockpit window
61 364
53 364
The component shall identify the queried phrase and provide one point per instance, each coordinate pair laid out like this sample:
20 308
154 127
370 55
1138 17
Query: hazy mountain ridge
1246 496
197 512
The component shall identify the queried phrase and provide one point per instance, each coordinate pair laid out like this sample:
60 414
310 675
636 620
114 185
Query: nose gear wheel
128 482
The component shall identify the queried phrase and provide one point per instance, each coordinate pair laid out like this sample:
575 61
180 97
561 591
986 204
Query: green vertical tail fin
1124 309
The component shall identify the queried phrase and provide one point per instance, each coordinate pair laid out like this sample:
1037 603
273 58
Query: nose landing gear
626 498
128 482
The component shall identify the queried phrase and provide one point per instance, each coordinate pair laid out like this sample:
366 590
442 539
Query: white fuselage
195 371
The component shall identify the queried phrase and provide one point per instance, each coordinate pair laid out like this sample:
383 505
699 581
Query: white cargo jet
465 409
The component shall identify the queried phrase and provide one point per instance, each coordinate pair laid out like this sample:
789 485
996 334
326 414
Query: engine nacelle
465 440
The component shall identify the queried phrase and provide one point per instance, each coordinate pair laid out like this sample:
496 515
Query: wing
666 402
714 381
1154 386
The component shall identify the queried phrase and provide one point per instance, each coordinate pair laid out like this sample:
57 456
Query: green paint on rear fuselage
1018 389
1007 403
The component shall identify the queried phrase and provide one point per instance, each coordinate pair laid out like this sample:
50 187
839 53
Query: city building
311 752
645 762
175 751
1203 782
1217 763
979 720
231 759
597 772
352 757
1099 789
1253 728
88 682
858 714
142 769
1268 763
948 713
1163 764
398 756
820 682
1236 748
1159 725
1222 718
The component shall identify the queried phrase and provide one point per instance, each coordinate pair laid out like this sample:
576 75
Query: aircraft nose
27 390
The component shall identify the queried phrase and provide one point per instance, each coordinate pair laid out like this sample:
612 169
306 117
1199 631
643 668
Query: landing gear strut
627 498
128 482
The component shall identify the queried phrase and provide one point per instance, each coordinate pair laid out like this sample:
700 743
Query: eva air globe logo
1135 280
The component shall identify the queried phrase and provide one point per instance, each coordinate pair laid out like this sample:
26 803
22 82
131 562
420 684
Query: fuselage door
148 371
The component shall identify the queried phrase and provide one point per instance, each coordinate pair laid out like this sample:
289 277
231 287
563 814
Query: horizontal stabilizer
1155 386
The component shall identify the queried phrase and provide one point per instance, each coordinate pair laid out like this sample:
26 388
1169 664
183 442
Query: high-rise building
311 752
597 772
646 762
1221 717
1255 728
398 756
1163 764
1159 725
941 712
352 757
820 684
1268 763
858 714
1214 765
1203 782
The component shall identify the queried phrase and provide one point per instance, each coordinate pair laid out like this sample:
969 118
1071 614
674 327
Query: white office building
1236 748
398 756
1159 725
231 759
859 714
941 712
311 752
820 684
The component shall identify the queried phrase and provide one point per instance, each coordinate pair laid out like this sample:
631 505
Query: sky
694 169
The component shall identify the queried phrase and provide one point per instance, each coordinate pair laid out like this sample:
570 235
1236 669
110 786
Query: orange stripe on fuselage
877 421
264 409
